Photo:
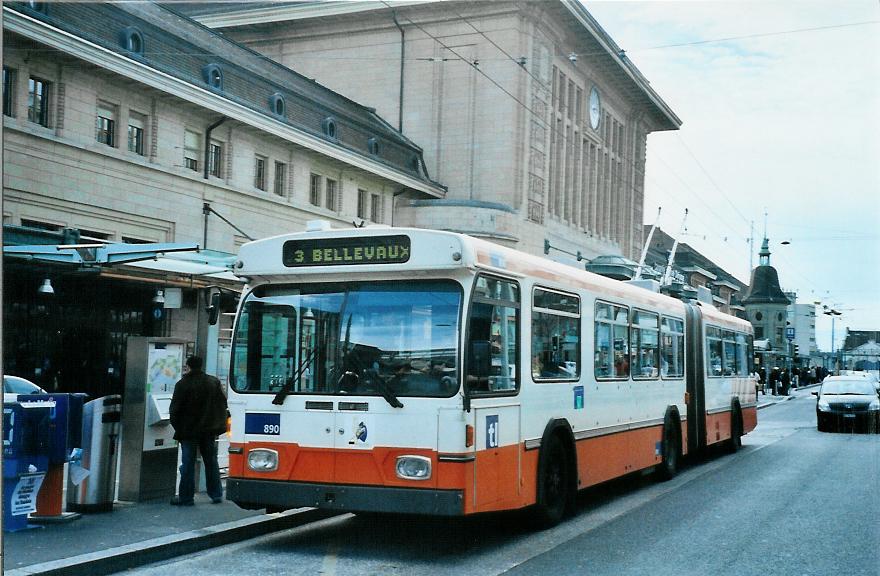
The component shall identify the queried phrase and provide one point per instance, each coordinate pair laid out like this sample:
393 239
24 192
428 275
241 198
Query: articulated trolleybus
417 371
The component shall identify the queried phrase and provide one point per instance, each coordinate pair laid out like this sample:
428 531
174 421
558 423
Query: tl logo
492 431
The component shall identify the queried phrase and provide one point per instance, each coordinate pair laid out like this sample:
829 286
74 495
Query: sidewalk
769 399
134 534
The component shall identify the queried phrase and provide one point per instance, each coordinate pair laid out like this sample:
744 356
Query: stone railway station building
527 111
213 123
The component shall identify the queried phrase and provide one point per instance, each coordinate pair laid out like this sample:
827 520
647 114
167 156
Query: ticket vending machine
148 461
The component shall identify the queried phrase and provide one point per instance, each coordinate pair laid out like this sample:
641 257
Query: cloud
781 112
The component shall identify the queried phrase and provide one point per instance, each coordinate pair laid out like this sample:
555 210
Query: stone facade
60 175
112 142
498 94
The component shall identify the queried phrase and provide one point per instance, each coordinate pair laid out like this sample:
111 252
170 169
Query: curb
775 402
173 546
786 398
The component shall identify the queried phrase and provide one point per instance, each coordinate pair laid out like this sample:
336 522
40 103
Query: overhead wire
550 126
693 156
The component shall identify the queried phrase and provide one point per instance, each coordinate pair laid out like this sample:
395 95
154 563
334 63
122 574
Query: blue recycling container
25 460
65 423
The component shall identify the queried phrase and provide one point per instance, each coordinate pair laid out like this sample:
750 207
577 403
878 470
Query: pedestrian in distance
774 380
198 414
785 378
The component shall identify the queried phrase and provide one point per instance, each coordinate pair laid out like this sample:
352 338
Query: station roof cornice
235 14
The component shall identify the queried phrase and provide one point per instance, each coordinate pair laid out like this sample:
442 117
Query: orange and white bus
418 371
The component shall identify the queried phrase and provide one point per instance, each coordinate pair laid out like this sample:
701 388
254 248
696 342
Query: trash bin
91 481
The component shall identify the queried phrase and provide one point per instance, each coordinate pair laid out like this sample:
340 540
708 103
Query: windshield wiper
288 386
387 394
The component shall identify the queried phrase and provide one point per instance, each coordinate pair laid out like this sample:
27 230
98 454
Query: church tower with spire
766 304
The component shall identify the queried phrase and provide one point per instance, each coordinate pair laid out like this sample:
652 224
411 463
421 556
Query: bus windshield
357 338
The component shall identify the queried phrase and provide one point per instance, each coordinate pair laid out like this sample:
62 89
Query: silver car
849 403
15 385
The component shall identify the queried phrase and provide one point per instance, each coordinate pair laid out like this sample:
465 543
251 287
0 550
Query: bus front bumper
277 495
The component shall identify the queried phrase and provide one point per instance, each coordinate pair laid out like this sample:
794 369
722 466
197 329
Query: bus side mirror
213 307
480 360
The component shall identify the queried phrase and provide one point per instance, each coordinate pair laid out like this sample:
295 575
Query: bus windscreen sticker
265 424
346 251
360 431
492 431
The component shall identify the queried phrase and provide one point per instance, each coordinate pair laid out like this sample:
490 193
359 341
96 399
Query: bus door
496 455
492 368
696 381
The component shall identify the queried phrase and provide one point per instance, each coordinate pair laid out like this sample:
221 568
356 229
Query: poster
24 496
164 367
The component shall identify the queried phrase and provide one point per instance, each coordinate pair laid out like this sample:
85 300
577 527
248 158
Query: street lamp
46 288
834 313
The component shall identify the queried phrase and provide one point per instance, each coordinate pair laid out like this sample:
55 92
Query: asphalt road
793 502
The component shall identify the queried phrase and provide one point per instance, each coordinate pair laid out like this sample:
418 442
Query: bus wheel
735 442
552 484
670 451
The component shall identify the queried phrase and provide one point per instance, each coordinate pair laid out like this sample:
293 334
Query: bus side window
611 353
493 331
714 348
672 348
555 335
479 347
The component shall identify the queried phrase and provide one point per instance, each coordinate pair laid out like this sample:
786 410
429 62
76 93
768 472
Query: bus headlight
413 467
262 460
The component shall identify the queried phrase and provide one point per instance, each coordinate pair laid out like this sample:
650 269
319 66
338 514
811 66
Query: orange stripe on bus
497 485
374 467
750 419
506 477
605 457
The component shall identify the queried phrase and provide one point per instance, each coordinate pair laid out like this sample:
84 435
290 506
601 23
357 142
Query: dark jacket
198 407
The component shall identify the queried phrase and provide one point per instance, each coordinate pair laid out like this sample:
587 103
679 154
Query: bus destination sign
346 251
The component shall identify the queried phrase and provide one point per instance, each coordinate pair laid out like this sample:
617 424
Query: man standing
198 415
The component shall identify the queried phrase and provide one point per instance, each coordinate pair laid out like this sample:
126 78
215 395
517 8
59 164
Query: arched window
277 105
213 76
132 40
329 127
38 6
373 146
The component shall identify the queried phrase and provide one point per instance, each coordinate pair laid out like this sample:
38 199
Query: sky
780 110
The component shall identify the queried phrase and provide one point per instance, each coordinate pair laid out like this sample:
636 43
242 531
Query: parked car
847 402
15 385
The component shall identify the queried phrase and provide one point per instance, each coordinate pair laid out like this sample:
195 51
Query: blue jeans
207 445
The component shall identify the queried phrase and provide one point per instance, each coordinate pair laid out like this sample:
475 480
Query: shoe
178 502
217 500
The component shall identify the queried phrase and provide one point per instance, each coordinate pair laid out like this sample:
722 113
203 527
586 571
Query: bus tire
670 447
735 442
553 484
